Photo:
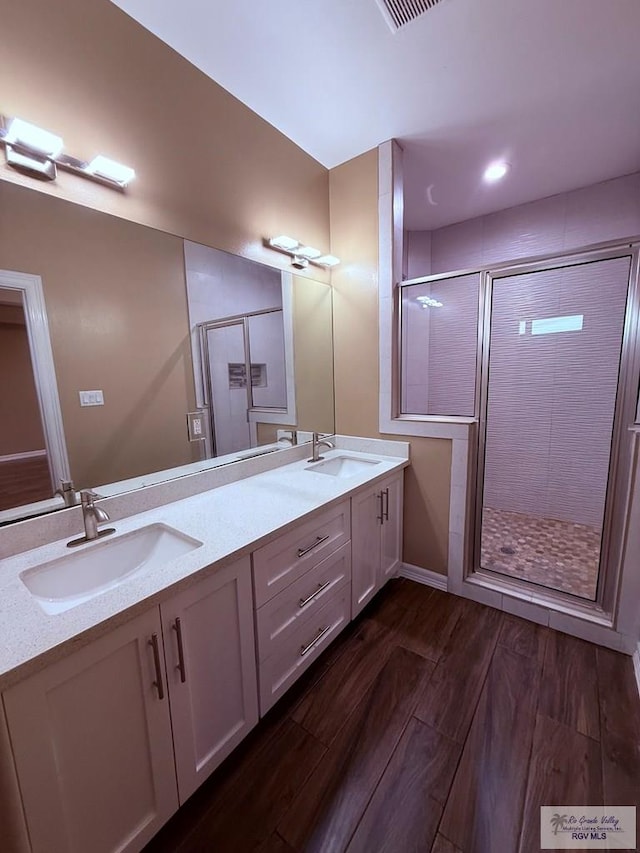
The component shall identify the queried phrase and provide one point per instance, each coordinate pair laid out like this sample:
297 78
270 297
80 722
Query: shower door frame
620 473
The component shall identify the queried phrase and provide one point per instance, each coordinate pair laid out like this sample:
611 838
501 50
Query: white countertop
231 521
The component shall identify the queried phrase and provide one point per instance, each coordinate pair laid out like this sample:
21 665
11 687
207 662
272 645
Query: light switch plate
91 398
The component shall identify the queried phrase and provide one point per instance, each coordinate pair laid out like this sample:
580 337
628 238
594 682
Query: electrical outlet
195 426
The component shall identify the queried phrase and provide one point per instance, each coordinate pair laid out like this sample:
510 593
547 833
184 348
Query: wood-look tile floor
434 725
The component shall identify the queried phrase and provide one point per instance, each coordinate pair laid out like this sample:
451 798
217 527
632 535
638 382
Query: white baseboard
636 665
17 457
424 576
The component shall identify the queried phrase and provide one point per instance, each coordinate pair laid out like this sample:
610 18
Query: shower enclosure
544 358
550 385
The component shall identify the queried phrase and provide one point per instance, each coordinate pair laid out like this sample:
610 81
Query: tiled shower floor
556 554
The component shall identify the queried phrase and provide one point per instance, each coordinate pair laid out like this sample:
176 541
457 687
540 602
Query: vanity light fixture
103 167
300 254
287 244
328 261
37 152
25 135
308 252
31 149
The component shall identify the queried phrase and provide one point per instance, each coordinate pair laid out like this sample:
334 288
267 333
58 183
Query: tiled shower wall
605 211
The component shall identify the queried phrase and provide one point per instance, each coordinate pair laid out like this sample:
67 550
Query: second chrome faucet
319 440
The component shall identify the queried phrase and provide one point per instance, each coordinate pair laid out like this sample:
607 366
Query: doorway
33 454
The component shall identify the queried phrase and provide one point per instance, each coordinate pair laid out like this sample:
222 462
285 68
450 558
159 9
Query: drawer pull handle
304 601
177 627
386 504
153 642
319 539
318 636
381 499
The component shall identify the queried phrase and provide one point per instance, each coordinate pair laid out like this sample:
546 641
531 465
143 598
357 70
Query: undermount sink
342 466
70 580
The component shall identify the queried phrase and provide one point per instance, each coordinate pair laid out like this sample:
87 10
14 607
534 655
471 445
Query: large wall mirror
145 328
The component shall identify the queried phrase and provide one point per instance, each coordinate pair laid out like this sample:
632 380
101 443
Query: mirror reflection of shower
243 371
241 321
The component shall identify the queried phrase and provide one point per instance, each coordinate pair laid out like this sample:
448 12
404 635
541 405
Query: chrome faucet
317 441
92 516
68 493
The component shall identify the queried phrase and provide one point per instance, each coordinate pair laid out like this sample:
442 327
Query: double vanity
133 665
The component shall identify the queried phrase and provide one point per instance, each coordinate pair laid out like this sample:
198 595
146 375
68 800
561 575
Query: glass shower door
550 398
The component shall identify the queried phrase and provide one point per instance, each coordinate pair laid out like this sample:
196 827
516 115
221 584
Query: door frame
620 476
37 323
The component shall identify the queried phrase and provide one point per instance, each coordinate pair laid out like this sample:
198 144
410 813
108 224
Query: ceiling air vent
398 13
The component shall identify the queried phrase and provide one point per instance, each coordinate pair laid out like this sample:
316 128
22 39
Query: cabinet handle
381 516
319 539
153 642
304 601
177 627
318 636
386 504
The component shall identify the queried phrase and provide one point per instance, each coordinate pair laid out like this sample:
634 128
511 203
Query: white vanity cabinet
100 737
211 671
303 592
91 739
376 534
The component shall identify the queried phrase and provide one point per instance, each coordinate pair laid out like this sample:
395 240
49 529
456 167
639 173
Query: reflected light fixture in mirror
300 254
428 302
38 152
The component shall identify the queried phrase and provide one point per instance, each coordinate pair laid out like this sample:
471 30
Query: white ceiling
551 85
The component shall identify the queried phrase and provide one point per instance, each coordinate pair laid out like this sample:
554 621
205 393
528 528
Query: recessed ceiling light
495 171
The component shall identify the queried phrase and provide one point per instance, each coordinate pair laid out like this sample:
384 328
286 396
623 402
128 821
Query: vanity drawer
288 557
302 646
301 599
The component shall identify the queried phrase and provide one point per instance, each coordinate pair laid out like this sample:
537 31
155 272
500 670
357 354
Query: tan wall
117 307
20 424
208 168
313 361
354 238
313 355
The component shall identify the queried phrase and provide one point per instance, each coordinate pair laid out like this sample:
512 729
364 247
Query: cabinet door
92 745
391 530
212 681
365 547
